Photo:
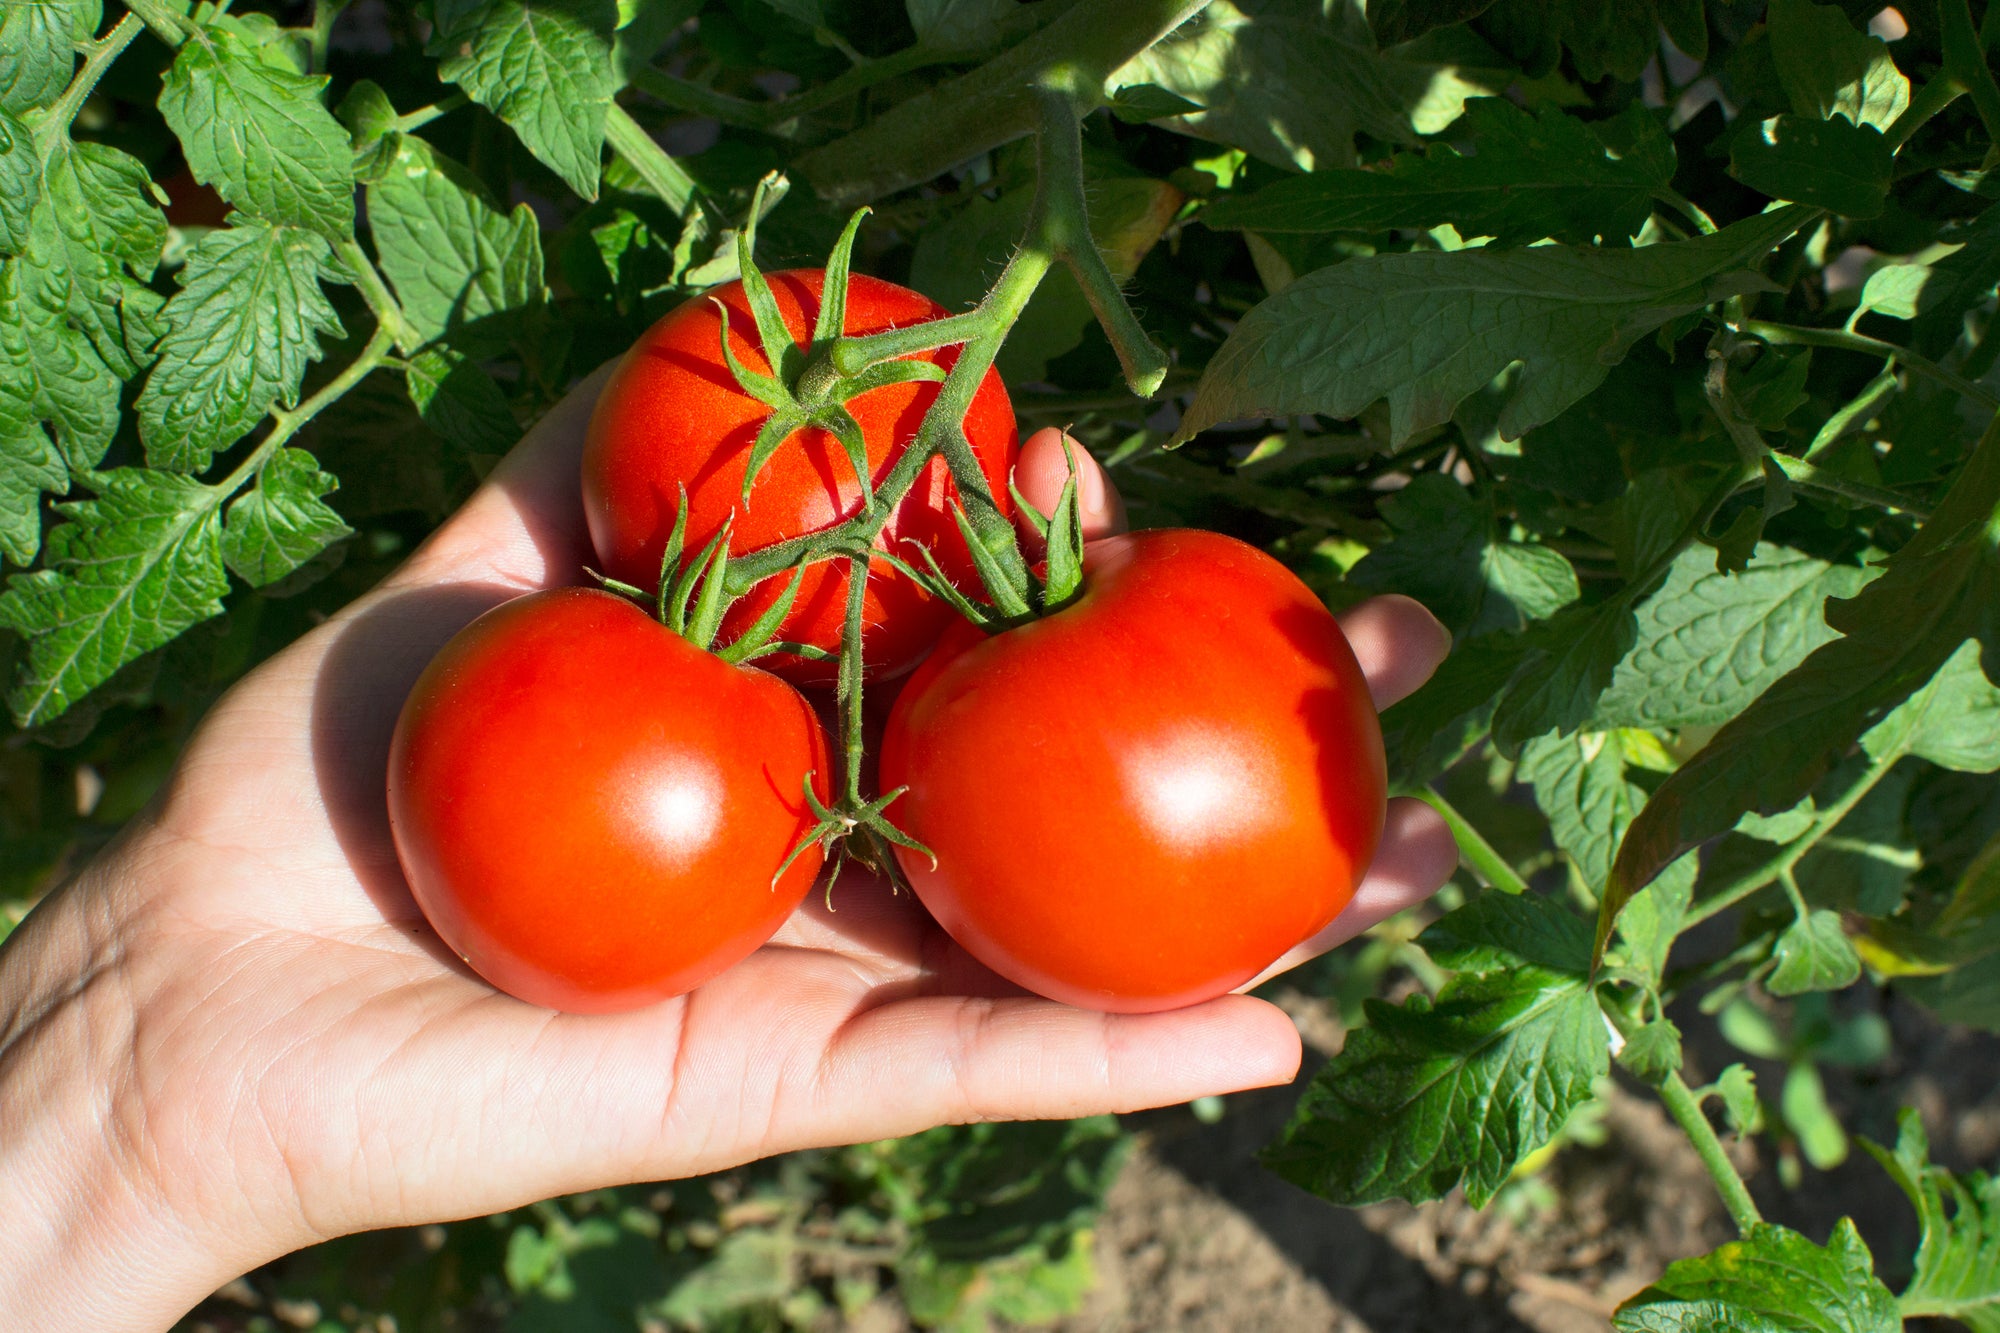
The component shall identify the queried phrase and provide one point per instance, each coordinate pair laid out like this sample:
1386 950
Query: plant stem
1808 477
1478 855
424 115
1687 1113
1856 409
663 176
321 33
1780 865
853 741
97 58
1688 209
1933 97
388 313
995 103
167 20
1860 342
286 423
694 98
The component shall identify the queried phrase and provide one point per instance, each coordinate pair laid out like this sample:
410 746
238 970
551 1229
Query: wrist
92 1217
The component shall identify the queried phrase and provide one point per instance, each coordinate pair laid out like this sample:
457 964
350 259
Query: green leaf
1137 103
1579 783
1427 732
280 523
1426 330
1495 932
1653 1052
127 572
29 465
543 66
1958 1255
460 401
20 182
1571 660
1709 643
1830 68
1530 175
37 49
1825 163
1813 954
962 25
48 367
1939 590
1431 1095
454 257
1771 1281
260 135
1738 1088
1293 81
238 336
1603 39
97 199
1954 721
1802 1102
1397 21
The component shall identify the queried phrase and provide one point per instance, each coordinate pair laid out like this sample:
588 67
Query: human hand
234 1034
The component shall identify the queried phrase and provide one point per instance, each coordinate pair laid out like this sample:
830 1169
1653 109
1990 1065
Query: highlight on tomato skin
672 415
1143 800
591 811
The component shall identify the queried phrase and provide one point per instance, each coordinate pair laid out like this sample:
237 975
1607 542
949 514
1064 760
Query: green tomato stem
1478 855
97 58
663 176
1808 477
853 742
382 303
1794 335
1682 1105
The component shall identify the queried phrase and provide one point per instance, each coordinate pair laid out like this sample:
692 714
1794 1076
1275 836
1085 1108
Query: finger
524 527
1043 468
1416 857
1397 642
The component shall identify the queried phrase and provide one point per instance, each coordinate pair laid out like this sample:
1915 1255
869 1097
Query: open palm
306 1059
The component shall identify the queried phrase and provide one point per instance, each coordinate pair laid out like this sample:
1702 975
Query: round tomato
1141 801
672 415
591 810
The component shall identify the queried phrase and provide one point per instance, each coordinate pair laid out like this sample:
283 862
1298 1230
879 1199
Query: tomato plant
1200 792
674 416
592 810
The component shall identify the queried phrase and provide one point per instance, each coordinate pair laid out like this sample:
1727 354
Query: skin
232 1034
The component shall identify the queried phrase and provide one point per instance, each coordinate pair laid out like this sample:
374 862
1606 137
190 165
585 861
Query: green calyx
804 390
693 597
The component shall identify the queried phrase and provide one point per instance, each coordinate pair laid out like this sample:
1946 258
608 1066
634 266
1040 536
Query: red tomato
590 809
673 415
1142 800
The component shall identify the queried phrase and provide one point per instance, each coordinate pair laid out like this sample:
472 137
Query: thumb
1044 466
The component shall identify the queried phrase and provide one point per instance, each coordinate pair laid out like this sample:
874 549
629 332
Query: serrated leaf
100 213
37 51
1579 783
1427 732
1397 21
367 113
238 337
1293 81
1738 1089
1530 175
1496 931
1940 589
460 401
1653 1052
1958 1254
544 67
1830 68
1772 1281
1709 643
1603 39
260 135
20 182
1828 164
29 465
1812 955
280 523
47 367
962 25
454 257
1137 103
1572 657
1426 330
1954 721
128 571
1432 1096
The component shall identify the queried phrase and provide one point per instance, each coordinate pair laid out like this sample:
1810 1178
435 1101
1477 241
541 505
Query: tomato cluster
1137 800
